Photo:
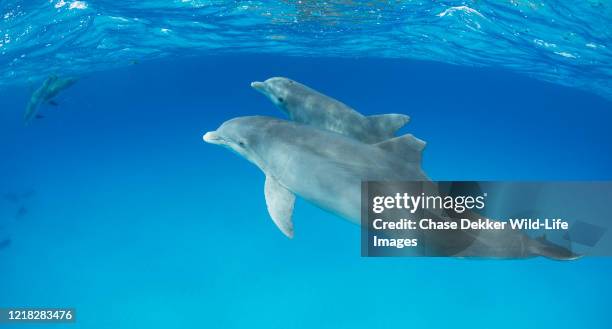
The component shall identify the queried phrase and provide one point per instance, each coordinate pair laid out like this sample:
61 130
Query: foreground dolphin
308 106
52 86
327 169
322 167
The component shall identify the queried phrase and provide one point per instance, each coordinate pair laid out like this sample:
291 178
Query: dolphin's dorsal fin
280 203
388 124
406 146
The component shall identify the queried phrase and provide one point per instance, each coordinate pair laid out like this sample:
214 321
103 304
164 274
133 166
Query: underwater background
112 203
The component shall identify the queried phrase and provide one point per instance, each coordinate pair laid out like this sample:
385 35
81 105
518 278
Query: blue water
137 223
551 40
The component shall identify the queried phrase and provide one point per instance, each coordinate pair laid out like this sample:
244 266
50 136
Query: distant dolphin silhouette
50 88
327 169
4 243
21 212
308 106
11 197
15 197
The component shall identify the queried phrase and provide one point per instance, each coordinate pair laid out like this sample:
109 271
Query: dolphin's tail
386 125
542 247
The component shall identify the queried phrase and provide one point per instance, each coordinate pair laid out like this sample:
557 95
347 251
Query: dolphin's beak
259 86
212 137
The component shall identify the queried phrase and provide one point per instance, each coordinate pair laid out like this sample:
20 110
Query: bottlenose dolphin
308 106
320 166
50 88
327 169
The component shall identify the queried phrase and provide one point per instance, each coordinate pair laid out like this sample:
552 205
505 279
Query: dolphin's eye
280 99
241 143
290 81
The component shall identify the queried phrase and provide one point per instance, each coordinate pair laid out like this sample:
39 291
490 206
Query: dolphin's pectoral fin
388 124
406 146
280 203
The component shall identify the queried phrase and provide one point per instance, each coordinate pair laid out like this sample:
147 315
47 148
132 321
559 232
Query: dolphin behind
308 106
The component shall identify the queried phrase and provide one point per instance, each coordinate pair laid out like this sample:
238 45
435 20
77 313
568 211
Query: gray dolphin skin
306 105
326 169
50 88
